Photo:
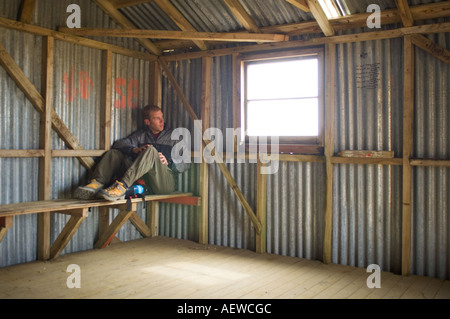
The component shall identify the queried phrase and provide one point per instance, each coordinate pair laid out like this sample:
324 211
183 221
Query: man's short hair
149 109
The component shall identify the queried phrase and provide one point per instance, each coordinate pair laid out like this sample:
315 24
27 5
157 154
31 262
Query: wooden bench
79 210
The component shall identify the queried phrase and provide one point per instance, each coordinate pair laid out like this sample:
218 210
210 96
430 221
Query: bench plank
60 205
79 210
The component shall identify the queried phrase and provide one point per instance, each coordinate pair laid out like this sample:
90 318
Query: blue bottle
134 191
138 189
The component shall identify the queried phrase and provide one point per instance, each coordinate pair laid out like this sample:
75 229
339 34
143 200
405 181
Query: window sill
294 149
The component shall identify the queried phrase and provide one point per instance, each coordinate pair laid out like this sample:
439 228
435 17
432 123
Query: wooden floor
167 268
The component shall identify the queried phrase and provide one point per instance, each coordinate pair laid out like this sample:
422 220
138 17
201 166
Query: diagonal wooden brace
140 225
5 224
37 100
77 217
116 224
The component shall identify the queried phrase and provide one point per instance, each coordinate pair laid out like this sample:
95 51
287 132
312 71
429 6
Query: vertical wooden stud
105 135
155 84
236 91
5 224
204 173
103 220
408 120
26 11
153 218
45 144
330 70
261 208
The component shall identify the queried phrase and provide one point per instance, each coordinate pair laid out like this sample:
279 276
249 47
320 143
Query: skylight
332 8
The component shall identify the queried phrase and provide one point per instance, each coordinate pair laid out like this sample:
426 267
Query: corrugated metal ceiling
216 16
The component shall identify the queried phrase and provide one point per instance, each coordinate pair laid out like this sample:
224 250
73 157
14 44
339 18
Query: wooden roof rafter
243 17
179 19
301 4
116 15
186 35
431 47
127 3
405 13
321 18
26 10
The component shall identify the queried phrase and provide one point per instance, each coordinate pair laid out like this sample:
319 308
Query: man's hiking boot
89 191
115 192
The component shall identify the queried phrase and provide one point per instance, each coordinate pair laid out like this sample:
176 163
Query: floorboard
168 268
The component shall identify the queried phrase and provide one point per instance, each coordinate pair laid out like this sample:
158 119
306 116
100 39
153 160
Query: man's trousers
158 178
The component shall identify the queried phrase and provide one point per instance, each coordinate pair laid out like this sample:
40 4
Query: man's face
156 122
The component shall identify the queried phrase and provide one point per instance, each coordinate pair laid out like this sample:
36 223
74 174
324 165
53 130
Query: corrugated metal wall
19 129
367 198
431 185
367 203
77 94
295 209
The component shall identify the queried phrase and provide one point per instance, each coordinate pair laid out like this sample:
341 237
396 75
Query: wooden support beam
366 160
103 221
347 38
408 122
155 90
330 69
77 153
153 218
76 218
5 224
179 20
405 13
431 47
204 168
261 208
127 3
367 153
219 161
21 153
23 27
320 17
105 104
45 140
116 15
236 83
26 10
38 102
179 35
108 235
243 17
430 162
187 200
301 4
140 225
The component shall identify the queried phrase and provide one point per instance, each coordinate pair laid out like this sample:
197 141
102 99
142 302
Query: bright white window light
283 97
330 10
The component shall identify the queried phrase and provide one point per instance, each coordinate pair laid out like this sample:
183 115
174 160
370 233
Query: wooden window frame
287 144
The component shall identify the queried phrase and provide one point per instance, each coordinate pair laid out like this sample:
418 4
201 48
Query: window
282 96
333 8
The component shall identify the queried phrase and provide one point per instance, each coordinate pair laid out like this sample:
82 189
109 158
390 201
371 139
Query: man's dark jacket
163 144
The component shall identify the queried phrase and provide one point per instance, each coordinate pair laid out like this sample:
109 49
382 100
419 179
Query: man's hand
163 159
139 150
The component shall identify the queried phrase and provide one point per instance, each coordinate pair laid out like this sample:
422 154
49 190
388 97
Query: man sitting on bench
144 154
